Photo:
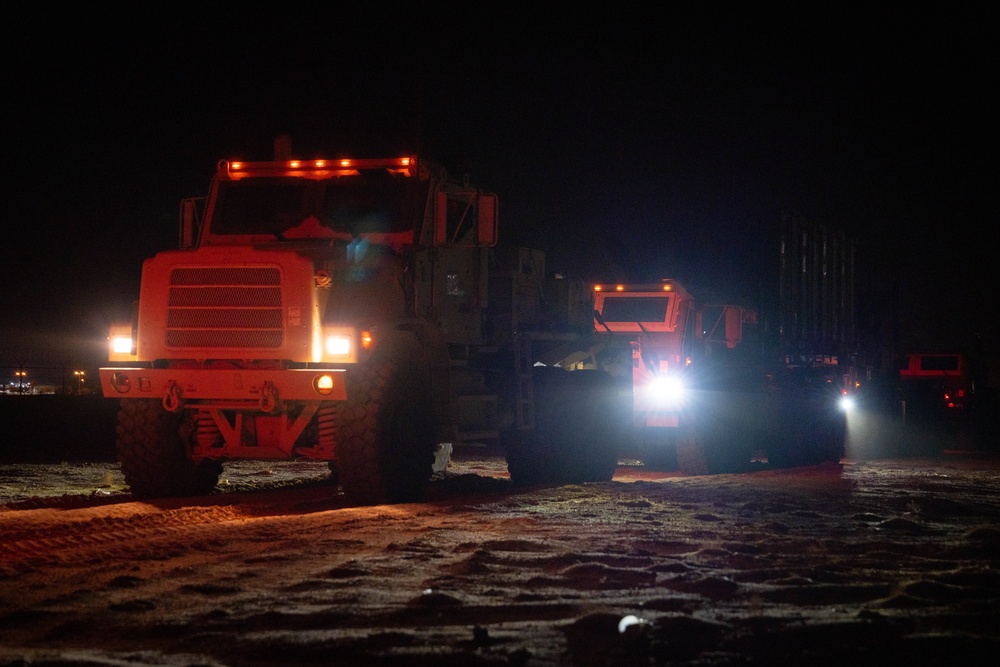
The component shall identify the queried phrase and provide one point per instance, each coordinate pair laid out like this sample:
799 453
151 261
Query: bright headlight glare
338 345
667 389
121 344
846 403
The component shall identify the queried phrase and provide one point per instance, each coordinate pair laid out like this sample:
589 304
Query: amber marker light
366 340
345 163
320 163
619 288
323 384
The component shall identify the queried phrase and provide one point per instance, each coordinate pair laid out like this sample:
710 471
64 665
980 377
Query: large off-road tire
711 444
658 449
692 452
578 427
385 452
807 434
601 426
154 452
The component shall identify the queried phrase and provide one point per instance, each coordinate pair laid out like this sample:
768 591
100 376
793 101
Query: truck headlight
121 345
338 345
667 390
846 403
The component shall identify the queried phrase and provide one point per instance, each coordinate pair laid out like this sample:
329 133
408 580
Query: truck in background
361 312
709 394
942 375
745 374
937 392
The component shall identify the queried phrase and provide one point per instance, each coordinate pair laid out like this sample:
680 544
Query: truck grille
225 307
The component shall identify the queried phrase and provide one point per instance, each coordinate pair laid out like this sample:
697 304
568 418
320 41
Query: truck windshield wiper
600 320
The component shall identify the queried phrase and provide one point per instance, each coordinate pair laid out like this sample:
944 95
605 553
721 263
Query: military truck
709 394
354 311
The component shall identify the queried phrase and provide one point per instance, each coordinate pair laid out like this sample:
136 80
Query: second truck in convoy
361 312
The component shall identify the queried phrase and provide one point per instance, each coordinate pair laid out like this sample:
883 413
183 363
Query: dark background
627 143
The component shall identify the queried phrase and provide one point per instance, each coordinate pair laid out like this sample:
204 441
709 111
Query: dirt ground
889 561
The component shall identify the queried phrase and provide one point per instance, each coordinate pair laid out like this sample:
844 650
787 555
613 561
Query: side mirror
458 227
724 325
190 223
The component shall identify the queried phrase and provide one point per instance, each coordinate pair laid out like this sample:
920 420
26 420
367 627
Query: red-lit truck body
349 311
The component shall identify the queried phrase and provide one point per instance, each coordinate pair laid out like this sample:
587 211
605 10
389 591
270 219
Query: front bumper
223 385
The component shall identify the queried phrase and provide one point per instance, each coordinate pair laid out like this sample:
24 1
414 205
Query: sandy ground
893 561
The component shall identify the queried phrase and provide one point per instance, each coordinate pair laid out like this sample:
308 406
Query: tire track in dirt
137 530
793 567
122 536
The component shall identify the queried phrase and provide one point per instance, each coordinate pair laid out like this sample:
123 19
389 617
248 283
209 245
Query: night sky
626 144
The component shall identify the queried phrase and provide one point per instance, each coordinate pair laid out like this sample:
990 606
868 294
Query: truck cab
288 313
679 349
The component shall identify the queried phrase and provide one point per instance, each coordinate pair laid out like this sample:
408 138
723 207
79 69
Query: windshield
373 202
635 309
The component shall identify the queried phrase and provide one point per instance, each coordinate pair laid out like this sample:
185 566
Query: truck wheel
577 430
386 450
658 449
599 426
710 448
787 448
833 441
692 459
532 456
154 452
807 437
